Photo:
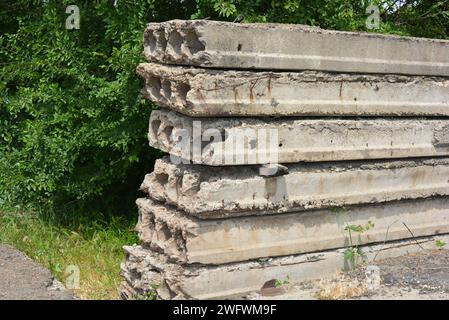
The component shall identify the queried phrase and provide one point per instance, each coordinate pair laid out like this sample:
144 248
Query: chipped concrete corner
362 136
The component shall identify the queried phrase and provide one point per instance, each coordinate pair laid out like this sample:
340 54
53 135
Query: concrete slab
291 47
200 92
238 141
145 270
232 191
184 239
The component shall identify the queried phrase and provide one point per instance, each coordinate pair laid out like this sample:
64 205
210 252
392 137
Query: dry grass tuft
341 290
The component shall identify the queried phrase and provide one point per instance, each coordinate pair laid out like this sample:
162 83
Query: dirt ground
419 276
23 279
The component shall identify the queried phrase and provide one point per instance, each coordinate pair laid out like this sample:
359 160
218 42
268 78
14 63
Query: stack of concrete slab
279 137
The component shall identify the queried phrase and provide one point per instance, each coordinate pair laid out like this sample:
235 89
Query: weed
440 244
149 295
354 253
279 283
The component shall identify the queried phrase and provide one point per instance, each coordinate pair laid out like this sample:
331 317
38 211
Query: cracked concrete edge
239 141
200 92
236 191
291 47
145 270
188 240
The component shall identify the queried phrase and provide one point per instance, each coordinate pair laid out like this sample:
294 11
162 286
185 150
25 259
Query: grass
92 243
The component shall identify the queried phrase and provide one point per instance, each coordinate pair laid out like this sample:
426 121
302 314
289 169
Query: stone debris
295 152
291 47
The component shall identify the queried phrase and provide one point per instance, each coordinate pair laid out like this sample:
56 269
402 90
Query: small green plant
151 294
354 253
279 283
440 244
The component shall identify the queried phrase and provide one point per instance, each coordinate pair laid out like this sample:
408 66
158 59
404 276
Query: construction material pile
288 145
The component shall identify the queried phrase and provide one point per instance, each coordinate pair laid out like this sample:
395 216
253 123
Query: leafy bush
72 120
423 18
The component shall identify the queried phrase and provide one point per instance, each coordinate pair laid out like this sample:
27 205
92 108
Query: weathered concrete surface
23 279
291 47
200 92
185 239
236 141
145 269
232 191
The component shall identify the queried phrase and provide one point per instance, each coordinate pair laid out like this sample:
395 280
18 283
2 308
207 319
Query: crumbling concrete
200 92
184 239
146 270
237 141
230 191
291 47
244 203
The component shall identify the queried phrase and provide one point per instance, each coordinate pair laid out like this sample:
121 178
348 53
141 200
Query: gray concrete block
146 270
291 47
237 141
203 92
232 191
186 240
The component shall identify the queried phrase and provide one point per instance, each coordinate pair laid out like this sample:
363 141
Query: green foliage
359 228
151 294
280 283
440 244
72 120
354 253
426 18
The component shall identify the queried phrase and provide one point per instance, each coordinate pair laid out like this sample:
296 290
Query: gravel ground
23 279
419 276
423 275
